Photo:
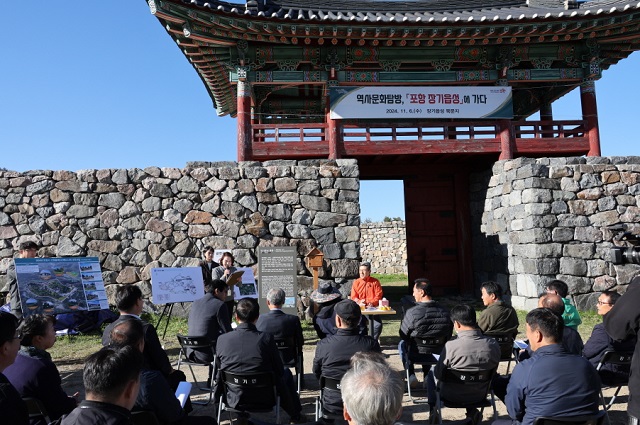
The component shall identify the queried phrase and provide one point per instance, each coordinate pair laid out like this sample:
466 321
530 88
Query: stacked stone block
384 245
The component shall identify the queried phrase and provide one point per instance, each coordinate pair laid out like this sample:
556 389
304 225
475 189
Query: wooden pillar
590 116
507 140
245 137
546 114
333 133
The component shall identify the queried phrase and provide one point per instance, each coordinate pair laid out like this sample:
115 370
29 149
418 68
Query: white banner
421 102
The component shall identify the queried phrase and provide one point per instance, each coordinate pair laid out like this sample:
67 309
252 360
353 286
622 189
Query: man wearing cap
333 353
324 317
367 291
28 249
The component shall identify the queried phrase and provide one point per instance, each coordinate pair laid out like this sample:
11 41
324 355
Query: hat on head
348 309
324 293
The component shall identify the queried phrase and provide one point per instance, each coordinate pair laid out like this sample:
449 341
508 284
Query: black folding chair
327 384
473 387
505 342
291 358
202 343
420 353
597 419
36 409
251 392
620 358
144 417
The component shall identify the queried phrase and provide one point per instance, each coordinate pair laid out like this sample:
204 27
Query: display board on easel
277 269
170 285
60 285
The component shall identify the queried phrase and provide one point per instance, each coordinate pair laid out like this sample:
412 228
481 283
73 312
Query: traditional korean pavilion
272 65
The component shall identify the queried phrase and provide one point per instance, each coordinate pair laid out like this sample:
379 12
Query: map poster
60 285
246 286
176 284
277 268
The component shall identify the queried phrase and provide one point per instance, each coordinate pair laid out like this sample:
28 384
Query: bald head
553 302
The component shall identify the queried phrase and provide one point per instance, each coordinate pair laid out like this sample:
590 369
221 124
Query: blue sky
88 84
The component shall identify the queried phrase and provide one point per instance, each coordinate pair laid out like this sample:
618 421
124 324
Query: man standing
622 321
426 319
552 382
469 352
111 380
248 350
334 352
367 291
28 249
281 325
130 303
498 318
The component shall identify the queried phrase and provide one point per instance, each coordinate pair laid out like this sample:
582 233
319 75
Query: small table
370 313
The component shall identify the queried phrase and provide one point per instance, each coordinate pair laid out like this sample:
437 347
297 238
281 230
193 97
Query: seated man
111 380
498 318
469 352
426 319
155 395
367 291
600 341
381 404
34 374
552 382
280 324
570 314
248 350
334 352
129 302
209 317
14 410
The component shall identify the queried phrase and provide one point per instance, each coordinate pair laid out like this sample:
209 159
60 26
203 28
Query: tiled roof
319 11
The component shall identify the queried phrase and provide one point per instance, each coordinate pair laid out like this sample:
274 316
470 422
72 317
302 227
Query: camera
625 254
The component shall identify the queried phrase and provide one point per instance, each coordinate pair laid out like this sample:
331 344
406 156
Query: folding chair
620 358
327 384
197 342
420 353
250 392
36 409
597 419
144 417
473 387
505 342
289 352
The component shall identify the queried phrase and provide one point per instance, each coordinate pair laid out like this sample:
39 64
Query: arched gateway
425 91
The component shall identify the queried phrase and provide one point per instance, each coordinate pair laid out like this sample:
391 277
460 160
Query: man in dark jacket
498 318
111 380
426 319
621 322
12 409
333 353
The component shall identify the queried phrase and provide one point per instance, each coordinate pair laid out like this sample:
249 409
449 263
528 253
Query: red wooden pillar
590 116
245 137
507 140
332 133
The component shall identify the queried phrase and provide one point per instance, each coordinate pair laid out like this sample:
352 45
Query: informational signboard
277 269
246 286
435 102
217 254
60 285
176 284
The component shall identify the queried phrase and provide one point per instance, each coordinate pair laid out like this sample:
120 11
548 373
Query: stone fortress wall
535 220
134 220
384 245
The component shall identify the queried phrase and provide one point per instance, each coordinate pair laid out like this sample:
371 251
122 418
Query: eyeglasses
603 303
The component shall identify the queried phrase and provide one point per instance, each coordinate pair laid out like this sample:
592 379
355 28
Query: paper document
518 343
183 391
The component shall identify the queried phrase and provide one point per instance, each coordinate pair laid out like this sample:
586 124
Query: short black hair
559 286
8 326
128 331
424 285
35 325
463 314
207 248
612 295
366 264
218 284
227 254
28 245
127 296
108 372
547 322
247 310
492 288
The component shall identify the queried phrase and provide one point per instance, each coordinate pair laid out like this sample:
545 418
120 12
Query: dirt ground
412 412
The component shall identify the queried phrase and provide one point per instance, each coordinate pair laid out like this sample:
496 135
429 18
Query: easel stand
166 311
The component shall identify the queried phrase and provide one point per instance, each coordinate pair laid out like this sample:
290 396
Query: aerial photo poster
60 285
